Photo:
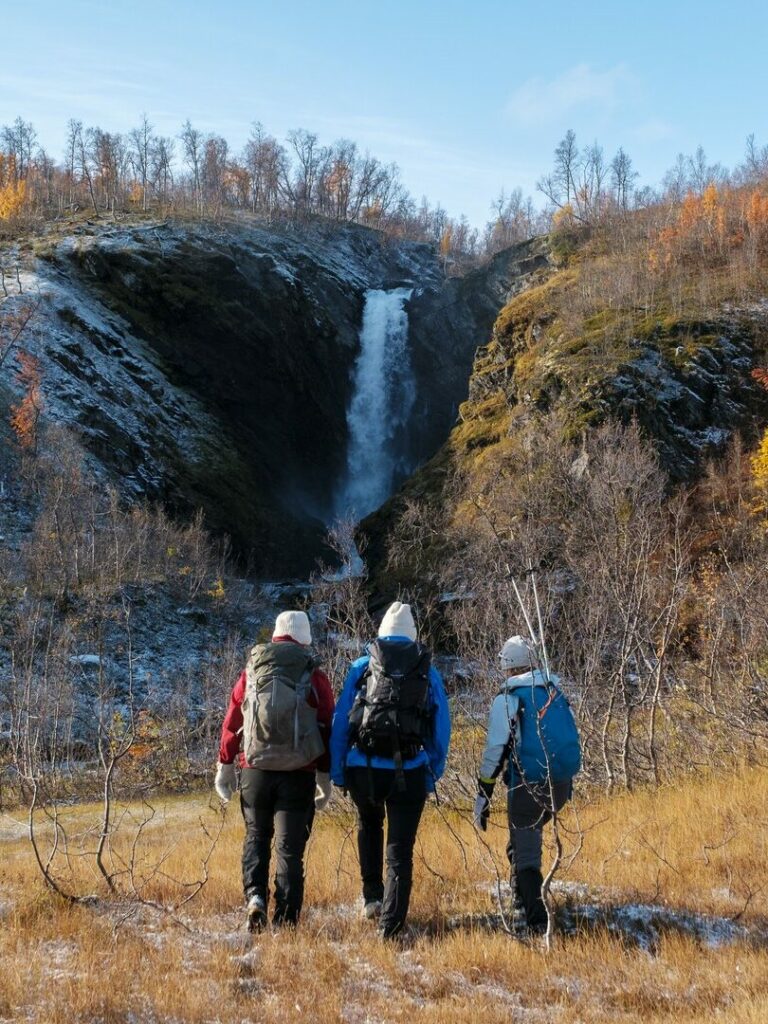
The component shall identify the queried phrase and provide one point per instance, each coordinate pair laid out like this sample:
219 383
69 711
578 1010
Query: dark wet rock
212 367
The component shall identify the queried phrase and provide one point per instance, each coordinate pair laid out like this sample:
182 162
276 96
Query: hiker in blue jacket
389 742
532 738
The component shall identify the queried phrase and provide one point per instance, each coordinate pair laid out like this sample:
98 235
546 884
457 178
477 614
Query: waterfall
383 394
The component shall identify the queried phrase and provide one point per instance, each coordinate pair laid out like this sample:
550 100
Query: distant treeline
198 174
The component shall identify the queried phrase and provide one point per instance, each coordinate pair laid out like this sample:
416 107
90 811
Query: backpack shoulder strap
362 679
305 679
553 692
512 710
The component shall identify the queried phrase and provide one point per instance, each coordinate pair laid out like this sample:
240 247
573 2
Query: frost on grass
644 924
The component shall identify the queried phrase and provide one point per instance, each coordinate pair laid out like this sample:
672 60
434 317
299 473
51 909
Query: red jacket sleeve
323 694
229 747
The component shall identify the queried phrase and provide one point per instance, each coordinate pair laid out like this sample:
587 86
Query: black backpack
391 715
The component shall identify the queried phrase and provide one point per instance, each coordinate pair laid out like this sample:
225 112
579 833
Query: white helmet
516 653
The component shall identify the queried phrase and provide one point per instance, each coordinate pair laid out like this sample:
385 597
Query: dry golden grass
699 846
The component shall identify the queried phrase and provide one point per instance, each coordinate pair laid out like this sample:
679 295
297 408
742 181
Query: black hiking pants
376 796
279 804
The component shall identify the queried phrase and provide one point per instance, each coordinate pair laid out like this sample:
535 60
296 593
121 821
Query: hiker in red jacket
278 724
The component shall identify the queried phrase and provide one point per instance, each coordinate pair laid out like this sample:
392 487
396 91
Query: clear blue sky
466 97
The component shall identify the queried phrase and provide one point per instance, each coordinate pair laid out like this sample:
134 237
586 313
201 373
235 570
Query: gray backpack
280 730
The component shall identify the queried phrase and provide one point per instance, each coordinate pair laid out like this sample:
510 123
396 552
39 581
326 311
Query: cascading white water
382 399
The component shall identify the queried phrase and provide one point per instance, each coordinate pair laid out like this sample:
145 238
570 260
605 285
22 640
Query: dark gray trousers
529 808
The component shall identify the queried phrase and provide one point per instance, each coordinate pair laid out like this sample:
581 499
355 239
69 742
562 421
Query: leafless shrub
340 599
654 620
86 541
53 721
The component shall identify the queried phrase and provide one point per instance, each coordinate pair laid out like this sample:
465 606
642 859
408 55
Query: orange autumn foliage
709 204
13 192
756 216
709 226
25 415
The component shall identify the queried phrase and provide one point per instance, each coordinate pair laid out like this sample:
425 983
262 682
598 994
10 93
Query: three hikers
533 743
387 748
280 714
389 744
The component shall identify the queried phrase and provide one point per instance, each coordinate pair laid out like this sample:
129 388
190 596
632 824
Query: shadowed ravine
215 368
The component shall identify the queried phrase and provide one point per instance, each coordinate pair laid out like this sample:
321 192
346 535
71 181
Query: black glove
482 809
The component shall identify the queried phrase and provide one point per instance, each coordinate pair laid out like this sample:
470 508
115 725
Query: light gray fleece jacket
503 720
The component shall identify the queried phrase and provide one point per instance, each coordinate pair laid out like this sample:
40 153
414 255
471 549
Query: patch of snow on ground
86 660
645 923
55 956
11 829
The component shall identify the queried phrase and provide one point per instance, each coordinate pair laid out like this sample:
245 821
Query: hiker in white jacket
532 740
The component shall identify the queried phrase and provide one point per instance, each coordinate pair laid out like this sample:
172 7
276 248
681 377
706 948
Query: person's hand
322 790
481 812
482 809
225 782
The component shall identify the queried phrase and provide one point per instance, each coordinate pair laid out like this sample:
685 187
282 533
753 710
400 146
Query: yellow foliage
760 470
218 591
709 203
689 213
707 226
12 197
757 211
563 218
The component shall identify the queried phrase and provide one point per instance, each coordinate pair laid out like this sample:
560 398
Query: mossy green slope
684 376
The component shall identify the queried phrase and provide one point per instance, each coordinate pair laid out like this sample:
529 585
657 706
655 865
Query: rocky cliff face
211 368
449 321
684 377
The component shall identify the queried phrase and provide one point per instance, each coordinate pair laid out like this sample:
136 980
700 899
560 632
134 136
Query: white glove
480 811
225 781
322 790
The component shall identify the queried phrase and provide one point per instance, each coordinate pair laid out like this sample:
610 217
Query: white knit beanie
295 625
398 621
516 653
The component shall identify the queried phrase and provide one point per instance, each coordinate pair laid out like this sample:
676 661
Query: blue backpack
549 746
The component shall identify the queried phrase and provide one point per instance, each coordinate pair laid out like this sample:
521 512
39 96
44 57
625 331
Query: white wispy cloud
540 100
654 130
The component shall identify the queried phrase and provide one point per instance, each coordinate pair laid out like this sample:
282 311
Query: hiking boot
400 935
516 910
371 910
529 882
517 899
256 914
